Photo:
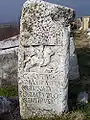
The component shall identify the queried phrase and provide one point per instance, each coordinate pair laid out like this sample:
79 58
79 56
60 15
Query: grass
79 114
9 91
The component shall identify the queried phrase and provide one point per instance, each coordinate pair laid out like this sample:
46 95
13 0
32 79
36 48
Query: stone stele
44 58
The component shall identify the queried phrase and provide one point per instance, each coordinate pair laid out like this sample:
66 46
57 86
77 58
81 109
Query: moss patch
9 91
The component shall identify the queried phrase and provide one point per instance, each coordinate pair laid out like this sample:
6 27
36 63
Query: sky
10 9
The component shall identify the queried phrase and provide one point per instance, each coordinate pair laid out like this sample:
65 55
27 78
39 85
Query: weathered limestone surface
43 58
73 68
8 61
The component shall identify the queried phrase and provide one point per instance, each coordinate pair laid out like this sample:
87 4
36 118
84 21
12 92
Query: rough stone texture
8 61
73 68
43 58
9 43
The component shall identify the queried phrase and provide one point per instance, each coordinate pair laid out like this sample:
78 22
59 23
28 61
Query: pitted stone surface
43 58
42 16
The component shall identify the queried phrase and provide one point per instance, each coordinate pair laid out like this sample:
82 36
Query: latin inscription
41 88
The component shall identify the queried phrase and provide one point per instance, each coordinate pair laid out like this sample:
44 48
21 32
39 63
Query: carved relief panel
42 58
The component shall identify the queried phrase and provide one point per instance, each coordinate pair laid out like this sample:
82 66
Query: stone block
43 59
8 61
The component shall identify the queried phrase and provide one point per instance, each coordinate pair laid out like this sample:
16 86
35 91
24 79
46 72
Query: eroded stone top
44 23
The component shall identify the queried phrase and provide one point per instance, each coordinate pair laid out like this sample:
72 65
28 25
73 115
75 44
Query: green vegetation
9 91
